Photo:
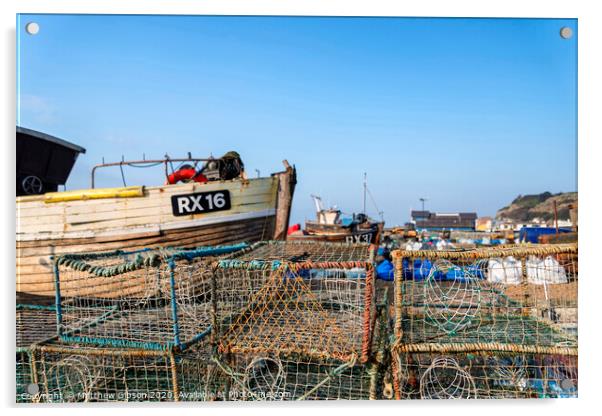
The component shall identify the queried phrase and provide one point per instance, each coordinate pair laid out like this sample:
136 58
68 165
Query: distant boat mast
366 192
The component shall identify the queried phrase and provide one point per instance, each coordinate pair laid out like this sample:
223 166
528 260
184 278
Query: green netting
149 299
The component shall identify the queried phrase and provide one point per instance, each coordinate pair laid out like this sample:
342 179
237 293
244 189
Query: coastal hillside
528 207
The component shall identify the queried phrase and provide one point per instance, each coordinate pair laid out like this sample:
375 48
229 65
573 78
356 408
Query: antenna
365 188
318 203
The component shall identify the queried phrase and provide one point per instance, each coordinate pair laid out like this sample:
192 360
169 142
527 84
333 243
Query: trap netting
483 374
487 323
34 324
75 373
297 251
149 299
306 333
512 295
315 309
239 276
273 376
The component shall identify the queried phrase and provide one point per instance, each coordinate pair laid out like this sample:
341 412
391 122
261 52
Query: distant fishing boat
214 205
330 226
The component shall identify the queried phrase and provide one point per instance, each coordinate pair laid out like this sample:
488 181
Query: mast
365 188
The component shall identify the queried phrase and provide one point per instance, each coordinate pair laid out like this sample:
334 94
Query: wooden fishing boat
330 227
181 215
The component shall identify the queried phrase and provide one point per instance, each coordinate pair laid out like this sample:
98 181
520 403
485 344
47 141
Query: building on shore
484 224
511 225
431 221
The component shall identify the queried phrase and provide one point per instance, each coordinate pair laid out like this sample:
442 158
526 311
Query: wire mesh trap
483 374
488 323
276 377
314 309
75 373
289 323
34 324
343 284
304 334
506 295
298 251
149 299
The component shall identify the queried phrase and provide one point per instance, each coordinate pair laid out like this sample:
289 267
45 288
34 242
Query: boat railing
167 162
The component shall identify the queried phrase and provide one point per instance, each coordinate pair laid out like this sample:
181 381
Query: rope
367 314
483 347
226 369
488 252
330 375
117 343
80 262
174 375
108 352
25 306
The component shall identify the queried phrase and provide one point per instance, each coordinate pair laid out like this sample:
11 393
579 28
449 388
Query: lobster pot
302 308
276 377
243 273
240 277
68 373
23 376
525 295
484 375
305 334
298 251
149 299
34 324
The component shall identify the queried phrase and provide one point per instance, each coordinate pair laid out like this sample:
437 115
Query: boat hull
258 210
336 233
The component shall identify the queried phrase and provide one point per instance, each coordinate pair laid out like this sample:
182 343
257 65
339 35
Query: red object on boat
293 228
186 174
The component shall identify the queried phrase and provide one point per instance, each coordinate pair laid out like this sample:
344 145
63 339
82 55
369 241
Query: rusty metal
164 161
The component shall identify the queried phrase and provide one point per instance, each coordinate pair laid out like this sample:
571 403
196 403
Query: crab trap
239 277
305 334
298 251
514 295
468 372
264 376
147 299
487 323
35 324
84 373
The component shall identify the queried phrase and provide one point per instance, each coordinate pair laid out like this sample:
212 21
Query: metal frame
165 161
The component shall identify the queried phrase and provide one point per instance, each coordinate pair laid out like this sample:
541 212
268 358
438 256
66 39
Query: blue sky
468 113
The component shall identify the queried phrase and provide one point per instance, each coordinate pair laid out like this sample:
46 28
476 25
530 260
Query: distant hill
528 207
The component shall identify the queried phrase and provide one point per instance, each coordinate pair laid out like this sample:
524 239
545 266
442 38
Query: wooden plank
176 236
118 240
151 200
160 206
120 227
261 185
43 283
164 210
286 188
